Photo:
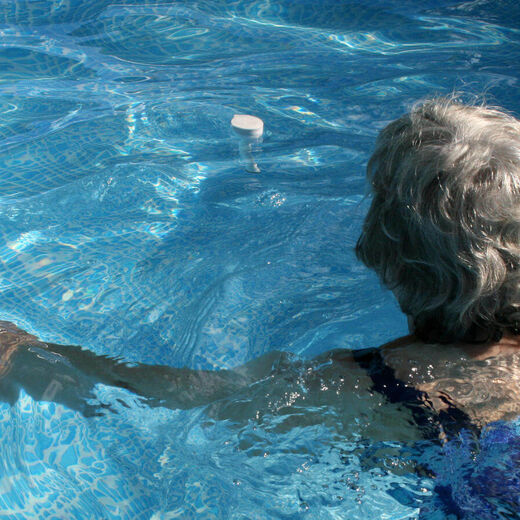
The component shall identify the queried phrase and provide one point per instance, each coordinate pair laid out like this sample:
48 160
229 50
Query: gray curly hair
443 229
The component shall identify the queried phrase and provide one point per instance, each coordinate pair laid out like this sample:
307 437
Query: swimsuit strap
448 422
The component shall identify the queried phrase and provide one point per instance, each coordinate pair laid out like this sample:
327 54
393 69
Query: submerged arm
164 385
68 375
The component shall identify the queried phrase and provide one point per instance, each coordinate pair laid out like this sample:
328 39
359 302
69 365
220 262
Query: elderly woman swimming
442 232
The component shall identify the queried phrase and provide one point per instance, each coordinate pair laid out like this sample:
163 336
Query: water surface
128 226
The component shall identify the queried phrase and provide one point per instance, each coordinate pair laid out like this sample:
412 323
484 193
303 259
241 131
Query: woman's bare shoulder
481 379
412 347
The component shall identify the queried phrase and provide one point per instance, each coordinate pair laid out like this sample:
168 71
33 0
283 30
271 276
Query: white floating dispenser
249 129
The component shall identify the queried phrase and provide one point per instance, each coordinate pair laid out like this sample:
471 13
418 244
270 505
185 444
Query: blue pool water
128 226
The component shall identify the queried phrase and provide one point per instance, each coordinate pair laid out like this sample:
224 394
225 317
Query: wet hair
443 229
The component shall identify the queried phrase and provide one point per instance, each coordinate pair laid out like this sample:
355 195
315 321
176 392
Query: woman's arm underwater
68 375
438 378
163 385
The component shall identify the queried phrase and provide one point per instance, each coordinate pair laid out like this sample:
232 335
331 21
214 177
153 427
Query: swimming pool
129 227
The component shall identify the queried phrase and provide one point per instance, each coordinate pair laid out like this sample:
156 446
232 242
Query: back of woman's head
443 230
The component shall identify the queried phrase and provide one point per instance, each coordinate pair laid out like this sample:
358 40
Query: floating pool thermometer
249 129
